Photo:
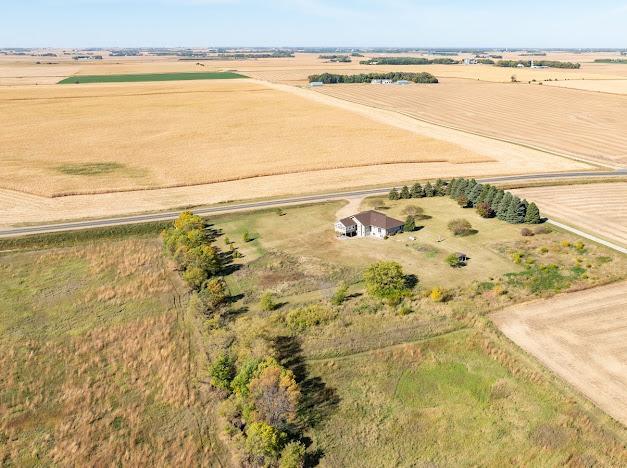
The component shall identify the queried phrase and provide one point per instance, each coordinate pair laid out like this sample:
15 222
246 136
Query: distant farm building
368 224
403 82
315 84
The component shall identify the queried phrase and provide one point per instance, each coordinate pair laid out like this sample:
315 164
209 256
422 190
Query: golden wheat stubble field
596 208
571 122
98 138
581 337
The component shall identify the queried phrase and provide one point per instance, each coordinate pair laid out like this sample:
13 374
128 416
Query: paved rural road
216 209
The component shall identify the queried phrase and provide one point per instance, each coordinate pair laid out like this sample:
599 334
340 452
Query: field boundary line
591 237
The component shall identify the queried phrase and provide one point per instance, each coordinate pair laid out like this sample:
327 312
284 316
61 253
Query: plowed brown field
599 209
583 124
581 337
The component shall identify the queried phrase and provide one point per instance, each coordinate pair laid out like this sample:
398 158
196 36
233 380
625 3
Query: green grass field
80 79
445 402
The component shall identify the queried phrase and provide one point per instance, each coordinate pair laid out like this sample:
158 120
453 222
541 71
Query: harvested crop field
596 208
123 136
571 122
602 86
581 337
135 78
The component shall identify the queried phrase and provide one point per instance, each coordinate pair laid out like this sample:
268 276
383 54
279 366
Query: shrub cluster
540 63
189 242
491 201
408 61
386 281
332 78
336 58
261 409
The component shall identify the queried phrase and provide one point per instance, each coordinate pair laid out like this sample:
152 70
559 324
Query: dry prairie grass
186 134
596 208
589 125
93 379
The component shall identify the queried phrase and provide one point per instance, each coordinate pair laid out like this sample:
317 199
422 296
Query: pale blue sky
418 23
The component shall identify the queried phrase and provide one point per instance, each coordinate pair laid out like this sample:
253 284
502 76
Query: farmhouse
368 224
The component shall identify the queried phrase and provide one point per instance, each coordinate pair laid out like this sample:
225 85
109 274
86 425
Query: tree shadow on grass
318 401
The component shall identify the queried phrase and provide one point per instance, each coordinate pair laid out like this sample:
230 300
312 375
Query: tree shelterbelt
488 200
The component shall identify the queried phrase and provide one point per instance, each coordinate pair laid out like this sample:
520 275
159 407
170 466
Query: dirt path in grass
581 337
351 208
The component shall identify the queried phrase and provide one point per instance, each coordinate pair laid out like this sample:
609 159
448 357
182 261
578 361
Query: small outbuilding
315 84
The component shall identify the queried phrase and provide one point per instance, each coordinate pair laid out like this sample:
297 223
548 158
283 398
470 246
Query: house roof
348 222
374 218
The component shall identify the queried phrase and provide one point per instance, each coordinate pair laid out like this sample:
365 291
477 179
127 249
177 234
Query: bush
195 277
263 440
460 227
222 372
267 302
340 294
413 210
292 455
214 293
385 280
463 201
437 295
526 232
543 230
403 310
245 374
246 237
302 318
455 261
274 394
485 210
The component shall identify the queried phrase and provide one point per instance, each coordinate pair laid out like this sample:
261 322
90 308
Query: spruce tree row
488 200
491 201
418 191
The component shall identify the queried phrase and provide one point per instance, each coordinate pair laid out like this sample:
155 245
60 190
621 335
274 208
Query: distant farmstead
368 224
315 84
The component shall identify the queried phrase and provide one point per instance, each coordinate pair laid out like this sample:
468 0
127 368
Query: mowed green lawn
78 79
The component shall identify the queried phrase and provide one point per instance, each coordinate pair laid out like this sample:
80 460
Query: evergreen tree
485 192
429 190
506 201
410 224
460 188
474 194
440 188
472 183
450 186
393 195
533 214
417 191
513 210
405 193
521 211
496 200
